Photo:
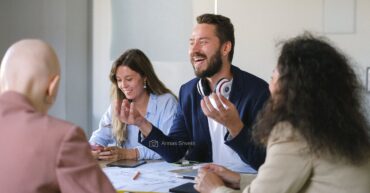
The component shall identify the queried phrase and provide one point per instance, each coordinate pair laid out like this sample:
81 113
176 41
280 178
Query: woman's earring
144 84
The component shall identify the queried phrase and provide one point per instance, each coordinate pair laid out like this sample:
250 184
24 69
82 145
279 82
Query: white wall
64 24
259 24
101 35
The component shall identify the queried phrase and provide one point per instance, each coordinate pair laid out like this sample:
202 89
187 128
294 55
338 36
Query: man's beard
213 66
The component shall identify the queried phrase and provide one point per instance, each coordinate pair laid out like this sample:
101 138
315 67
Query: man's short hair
224 29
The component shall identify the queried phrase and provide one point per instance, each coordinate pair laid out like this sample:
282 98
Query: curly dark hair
224 29
320 95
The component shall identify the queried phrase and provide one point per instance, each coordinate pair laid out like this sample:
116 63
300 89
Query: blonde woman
133 78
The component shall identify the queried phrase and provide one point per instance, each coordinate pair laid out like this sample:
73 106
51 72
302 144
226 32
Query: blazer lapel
202 119
236 91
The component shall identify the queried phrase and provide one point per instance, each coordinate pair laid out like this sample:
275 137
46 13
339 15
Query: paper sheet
154 177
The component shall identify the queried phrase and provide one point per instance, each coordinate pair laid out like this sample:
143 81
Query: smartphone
187 173
126 163
184 188
184 163
96 147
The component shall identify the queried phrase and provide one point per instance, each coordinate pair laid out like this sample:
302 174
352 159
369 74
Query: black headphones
223 86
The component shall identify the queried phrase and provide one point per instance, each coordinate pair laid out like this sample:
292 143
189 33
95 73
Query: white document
154 177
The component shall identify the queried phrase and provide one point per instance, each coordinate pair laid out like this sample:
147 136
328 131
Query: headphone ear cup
203 87
223 86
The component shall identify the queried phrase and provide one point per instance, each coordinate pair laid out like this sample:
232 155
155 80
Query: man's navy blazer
189 135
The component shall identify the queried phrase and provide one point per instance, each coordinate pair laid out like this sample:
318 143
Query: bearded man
216 109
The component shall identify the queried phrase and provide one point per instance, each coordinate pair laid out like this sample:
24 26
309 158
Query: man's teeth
198 59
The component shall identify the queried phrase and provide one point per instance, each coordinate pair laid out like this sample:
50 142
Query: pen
137 174
186 177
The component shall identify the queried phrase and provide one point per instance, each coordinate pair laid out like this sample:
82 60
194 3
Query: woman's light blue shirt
160 112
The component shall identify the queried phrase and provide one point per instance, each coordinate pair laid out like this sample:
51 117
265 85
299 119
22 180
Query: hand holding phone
96 147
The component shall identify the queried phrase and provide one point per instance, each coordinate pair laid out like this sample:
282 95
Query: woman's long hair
137 61
320 95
